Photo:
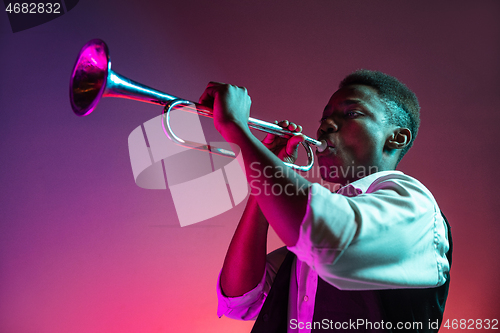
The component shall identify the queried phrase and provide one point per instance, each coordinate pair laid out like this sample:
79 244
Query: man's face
353 124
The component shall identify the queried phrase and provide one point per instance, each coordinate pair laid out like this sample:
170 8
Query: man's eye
352 114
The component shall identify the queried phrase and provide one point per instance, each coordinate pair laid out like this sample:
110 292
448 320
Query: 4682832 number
471 324
34 8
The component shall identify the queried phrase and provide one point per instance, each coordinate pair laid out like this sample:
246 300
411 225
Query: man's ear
399 139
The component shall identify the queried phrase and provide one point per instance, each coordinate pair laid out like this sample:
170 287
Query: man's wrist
234 130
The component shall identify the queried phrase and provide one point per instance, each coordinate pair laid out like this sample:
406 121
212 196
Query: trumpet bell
88 80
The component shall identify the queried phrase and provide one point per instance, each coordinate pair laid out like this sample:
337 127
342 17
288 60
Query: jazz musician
373 256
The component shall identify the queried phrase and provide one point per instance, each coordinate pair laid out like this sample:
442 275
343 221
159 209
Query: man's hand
285 148
231 106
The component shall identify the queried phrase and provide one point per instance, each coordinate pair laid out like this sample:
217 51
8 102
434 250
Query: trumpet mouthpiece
322 146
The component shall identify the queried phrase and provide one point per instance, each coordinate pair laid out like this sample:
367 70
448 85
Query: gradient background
84 249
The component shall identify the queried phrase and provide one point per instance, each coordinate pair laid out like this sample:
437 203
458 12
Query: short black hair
402 105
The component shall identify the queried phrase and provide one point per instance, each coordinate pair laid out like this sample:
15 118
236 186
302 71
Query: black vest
417 309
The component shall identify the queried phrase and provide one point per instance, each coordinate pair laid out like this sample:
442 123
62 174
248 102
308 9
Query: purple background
84 249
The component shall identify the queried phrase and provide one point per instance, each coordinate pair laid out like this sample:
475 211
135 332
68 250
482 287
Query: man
375 256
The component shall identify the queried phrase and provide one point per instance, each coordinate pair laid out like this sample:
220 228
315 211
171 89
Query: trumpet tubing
92 79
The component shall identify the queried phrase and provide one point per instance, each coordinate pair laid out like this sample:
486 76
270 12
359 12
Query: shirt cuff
244 307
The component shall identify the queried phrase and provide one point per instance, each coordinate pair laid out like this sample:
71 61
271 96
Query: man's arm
284 212
245 261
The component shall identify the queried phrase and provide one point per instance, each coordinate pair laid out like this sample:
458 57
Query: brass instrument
92 78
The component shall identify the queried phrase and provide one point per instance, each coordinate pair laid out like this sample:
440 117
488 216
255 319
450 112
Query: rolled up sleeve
248 305
245 307
390 234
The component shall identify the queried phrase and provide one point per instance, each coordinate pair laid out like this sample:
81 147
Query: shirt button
306 298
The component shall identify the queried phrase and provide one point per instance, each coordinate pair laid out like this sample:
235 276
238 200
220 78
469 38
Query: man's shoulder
392 180
397 177
382 180
401 183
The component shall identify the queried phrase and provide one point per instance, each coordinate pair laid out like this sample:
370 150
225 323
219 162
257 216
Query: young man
374 256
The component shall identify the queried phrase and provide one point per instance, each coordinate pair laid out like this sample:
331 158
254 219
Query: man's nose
328 126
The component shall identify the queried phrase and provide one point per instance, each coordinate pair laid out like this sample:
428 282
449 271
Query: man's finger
290 126
208 96
293 144
269 138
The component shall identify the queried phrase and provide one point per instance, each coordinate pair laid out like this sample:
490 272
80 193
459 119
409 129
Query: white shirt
380 232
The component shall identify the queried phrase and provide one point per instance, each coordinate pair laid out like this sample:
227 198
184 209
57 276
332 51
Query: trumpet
92 79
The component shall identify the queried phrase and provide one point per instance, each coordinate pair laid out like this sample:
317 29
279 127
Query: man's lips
327 149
